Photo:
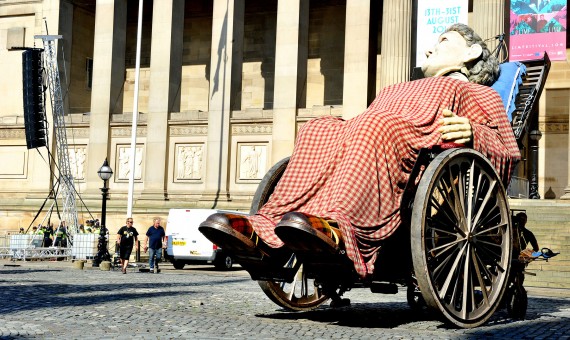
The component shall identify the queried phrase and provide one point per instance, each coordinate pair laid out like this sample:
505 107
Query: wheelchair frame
455 245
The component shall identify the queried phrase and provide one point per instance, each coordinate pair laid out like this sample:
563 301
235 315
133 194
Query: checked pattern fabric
355 171
240 224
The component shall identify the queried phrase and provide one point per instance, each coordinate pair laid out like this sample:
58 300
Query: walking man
127 237
154 244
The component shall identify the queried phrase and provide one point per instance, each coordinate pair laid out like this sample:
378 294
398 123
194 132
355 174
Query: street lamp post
105 172
535 136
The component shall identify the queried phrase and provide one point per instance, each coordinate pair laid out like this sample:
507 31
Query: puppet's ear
473 53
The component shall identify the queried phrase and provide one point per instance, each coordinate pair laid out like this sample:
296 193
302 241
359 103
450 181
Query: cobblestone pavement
54 300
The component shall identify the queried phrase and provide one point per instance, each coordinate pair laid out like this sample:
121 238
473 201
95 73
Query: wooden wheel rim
461 243
301 294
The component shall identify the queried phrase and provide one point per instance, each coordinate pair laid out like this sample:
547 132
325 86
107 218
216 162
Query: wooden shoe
307 233
235 235
232 232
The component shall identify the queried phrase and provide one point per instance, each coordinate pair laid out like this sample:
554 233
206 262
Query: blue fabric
508 84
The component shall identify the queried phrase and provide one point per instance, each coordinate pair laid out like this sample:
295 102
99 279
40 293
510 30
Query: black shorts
125 252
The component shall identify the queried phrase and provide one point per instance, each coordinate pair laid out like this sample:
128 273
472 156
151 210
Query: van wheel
178 265
223 262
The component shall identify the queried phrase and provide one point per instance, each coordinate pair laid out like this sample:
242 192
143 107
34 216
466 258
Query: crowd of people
49 235
127 238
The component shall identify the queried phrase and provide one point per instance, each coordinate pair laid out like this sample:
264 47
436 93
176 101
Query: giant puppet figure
344 181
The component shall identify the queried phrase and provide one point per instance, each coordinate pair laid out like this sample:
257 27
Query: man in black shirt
126 238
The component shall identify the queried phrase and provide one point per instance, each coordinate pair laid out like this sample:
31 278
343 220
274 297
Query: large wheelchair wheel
302 294
461 237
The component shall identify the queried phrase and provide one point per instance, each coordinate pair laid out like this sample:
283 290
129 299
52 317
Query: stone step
546 284
549 220
556 277
563 268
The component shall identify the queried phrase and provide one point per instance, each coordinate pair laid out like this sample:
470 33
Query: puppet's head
460 49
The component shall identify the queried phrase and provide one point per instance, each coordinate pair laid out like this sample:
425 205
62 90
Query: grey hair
485 69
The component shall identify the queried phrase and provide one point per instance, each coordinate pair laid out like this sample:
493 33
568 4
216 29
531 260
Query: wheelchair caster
338 303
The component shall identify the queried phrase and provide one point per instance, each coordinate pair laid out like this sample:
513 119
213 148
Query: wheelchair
454 250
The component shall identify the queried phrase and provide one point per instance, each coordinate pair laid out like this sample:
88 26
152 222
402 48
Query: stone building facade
224 86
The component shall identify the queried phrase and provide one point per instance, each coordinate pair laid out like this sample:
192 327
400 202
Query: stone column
566 195
356 58
108 79
225 93
164 91
291 49
64 65
396 42
488 19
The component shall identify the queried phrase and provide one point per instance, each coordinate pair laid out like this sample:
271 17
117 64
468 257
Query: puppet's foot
304 233
232 232
235 235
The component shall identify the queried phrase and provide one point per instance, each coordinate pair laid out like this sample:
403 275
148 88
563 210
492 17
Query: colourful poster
537 26
434 16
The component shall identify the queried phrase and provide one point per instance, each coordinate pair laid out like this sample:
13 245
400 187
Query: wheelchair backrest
526 101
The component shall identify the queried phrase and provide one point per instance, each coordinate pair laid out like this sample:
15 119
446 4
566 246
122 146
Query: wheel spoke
447 282
294 284
446 246
453 221
466 279
470 194
444 231
480 278
493 259
484 203
485 231
484 267
489 243
460 195
437 269
457 197
440 208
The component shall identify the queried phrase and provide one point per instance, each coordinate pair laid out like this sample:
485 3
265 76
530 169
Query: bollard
79 264
105 265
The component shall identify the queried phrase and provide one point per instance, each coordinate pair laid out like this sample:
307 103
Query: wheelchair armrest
450 145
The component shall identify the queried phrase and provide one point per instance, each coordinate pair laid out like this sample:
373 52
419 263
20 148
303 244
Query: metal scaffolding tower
66 188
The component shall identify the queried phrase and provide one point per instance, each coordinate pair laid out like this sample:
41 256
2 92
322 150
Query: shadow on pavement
26 271
361 315
30 294
394 314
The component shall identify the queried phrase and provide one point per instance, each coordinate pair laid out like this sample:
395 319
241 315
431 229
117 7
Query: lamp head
105 172
535 135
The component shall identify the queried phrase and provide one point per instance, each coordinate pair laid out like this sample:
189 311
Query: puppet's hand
455 129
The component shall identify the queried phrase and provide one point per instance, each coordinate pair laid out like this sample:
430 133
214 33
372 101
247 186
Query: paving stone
57 301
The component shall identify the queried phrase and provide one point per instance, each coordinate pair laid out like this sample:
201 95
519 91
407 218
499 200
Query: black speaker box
34 113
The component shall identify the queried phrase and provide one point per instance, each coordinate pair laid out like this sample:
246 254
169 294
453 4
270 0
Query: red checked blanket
354 171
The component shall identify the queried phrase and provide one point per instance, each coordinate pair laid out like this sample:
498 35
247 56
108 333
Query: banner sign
537 26
434 16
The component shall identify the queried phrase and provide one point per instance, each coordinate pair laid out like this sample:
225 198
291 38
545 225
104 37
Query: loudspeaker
34 113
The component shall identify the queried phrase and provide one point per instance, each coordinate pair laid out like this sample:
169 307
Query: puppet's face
449 54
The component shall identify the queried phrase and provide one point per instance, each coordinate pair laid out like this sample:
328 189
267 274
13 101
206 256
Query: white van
186 244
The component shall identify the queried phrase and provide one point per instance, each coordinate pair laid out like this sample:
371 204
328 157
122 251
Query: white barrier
84 246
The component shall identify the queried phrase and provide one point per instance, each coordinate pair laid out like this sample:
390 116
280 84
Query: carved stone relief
124 165
252 161
77 157
189 161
